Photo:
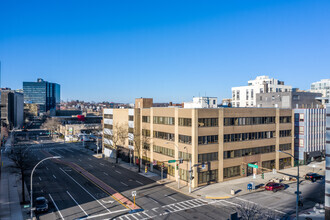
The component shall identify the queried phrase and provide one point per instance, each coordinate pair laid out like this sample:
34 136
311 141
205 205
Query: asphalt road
73 196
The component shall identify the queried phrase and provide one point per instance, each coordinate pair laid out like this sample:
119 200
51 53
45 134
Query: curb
224 197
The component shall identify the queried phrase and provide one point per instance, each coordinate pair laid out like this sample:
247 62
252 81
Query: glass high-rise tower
43 93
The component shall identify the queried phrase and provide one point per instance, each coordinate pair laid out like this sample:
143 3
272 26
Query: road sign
133 193
171 161
253 165
26 206
203 166
154 163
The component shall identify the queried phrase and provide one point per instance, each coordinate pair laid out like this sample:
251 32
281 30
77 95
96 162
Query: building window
171 170
301 117
108 116
108 126
260 97
164 135
237 95
146 119
234 92
285 162
207 157
207 122
301 142
163 150
248 152
211 139
248 136
248 121
231 171
131 130
184 155
184 139
146 132
130 142
251 93
285 133
164 120
146 146
270 164
301 130
247 94
184 174
208 176
185 122
284 147
285 119
131 118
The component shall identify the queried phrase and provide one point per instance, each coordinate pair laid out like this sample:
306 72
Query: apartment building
327 164
245 96
310 131
323 87
219 142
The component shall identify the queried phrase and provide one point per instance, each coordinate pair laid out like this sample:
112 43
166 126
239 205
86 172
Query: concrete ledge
212 197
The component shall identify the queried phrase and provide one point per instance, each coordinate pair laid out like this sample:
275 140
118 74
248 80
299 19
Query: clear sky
168 50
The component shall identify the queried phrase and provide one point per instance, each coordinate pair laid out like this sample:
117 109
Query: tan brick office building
220 142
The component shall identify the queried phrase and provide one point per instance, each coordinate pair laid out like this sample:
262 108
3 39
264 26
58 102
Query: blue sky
167 50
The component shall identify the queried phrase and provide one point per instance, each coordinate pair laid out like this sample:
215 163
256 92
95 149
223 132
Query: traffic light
163 165
177 166
262 175
146 169
243 171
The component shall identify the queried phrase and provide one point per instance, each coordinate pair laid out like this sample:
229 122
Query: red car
274 186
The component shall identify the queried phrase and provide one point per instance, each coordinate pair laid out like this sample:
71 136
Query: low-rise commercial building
219 142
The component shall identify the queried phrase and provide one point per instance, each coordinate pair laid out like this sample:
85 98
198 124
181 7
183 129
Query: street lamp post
297 199
31 199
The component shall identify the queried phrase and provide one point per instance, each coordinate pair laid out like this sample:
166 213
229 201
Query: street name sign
253 165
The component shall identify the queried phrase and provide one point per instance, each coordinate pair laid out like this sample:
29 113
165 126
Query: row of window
163 150
231 171
208 122
146 119
108 126
146 132
208 176
131 118
285 133
108 116
184 139
284 147
248 152
207 157
184 155
285 119
185 122
164 120
131 130
211 139
248 136
109 137
184 174
248 121
146 146
164 135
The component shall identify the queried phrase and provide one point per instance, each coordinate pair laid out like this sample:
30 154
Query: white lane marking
259 205
133 216
139 182
69 150
86 191
47 168
124 184
105 174
79 160
118 172
76 203
101 164
42 190
89 158
56 206
170 197
96 216
54 176
39 178
107 201
153 200
90 165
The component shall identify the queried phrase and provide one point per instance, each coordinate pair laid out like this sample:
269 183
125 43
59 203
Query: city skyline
115 52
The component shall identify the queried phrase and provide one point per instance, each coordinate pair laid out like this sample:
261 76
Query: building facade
245 96
327 165
322 87
12 108
292 99
219 142
202 102
310 133
43 93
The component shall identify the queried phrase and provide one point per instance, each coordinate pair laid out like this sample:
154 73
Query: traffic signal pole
190 176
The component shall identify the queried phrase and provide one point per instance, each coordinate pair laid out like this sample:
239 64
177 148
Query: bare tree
51 124
251 211
140 140
119 136
21 164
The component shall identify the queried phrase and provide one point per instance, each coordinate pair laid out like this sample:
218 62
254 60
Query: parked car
272 186
41 204
313 176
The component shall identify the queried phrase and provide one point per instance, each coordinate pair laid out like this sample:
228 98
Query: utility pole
162 173
97 145
190 176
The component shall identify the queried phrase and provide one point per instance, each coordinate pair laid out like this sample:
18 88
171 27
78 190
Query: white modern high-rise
202 102
245 96
323 87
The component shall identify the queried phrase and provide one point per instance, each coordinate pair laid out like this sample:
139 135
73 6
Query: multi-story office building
44 93
322 87
202 102
327 165
12 108
292 99
219 142
310 131
245 96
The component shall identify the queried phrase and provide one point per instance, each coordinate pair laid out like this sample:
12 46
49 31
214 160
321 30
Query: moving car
313 176
41 204
272 186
